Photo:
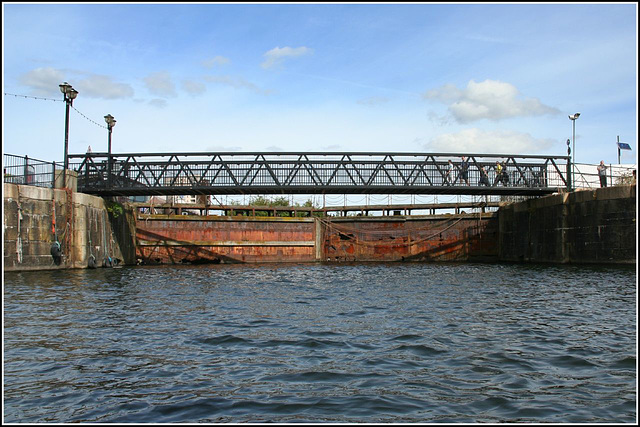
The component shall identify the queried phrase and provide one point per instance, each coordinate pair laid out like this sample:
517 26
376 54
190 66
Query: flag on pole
624 146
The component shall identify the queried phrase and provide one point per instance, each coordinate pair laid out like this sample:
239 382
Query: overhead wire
33 97
55 100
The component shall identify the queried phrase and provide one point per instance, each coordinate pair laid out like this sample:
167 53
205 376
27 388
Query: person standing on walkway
602 173
448 177
498 172
484 177
464 170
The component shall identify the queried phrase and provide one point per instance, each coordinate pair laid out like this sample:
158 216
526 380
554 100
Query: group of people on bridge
501 175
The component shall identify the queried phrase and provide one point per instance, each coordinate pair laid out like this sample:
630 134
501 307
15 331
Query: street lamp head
64 87
69 92
111 122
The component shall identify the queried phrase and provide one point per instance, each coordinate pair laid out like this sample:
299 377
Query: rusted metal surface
441 238
188 239
303 211
200 239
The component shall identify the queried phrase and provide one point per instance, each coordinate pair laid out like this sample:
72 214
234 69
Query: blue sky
494 78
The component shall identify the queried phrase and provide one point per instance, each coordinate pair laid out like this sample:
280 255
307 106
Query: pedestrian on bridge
448 176
501 174
484 177
602 172
498 172
464 170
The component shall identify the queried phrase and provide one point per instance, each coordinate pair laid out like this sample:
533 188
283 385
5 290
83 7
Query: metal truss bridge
106 174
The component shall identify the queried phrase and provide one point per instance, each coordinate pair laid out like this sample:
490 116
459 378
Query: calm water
321 343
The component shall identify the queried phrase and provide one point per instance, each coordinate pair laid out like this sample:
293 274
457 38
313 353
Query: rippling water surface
321 343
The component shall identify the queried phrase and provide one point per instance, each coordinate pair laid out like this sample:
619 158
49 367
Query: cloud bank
193 87
215 61
45 81
160 84
475 141
237 83
98 86
490 99
278 55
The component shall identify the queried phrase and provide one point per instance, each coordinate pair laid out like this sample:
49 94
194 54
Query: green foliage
261 201
281 201
115 209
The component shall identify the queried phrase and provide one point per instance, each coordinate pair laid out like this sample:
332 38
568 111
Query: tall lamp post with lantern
573 119
111 122
569 177
69 95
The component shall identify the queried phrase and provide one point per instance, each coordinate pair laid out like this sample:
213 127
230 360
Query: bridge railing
314 173
586 175
24 170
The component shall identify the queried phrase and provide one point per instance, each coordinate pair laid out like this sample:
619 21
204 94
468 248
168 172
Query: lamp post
69 95
111 122
573 119
569 180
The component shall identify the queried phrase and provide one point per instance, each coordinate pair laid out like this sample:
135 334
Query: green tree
281 201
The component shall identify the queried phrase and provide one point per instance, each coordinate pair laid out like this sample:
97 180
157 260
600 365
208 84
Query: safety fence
587 176
25 170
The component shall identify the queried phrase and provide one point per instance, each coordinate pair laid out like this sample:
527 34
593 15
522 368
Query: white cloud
439 120
237 83
490 142
277 55
46 81
193 87
43 81
160 84
98 86
490 99
216 60
159 103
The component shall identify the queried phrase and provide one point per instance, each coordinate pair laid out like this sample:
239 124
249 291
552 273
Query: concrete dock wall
591 226
35 218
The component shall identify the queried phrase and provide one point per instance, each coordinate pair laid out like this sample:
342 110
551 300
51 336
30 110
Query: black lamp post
111 122
573 119
69 95
569 177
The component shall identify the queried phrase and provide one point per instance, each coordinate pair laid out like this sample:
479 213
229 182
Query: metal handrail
24 170
584 179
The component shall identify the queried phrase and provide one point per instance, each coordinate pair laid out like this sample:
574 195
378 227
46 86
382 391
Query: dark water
321 343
